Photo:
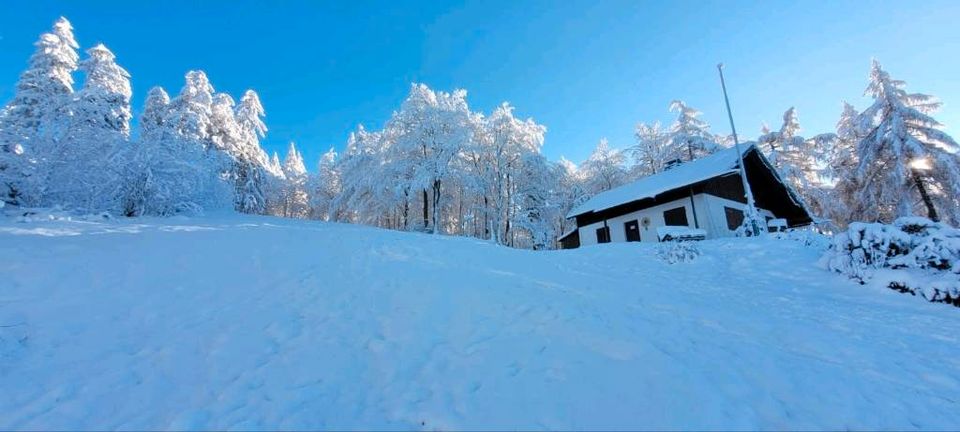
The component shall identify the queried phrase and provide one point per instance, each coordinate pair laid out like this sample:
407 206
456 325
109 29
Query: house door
632 230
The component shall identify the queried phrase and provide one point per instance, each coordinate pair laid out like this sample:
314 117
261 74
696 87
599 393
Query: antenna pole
751 212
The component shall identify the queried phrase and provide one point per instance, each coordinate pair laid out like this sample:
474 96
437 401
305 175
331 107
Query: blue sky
584 69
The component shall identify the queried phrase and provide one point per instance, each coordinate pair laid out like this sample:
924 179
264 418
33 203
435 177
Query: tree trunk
486 217
426 210
931 210
436 206
406 210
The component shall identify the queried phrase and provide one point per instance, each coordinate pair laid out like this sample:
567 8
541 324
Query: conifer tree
905 160
83 172
294 194
31 123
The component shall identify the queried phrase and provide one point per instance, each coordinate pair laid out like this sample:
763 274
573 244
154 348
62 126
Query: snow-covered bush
912 255
807 236
673 252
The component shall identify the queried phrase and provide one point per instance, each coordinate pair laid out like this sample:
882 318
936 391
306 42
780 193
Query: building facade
705 195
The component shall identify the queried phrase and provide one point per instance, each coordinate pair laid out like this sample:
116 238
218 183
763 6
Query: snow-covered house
705 195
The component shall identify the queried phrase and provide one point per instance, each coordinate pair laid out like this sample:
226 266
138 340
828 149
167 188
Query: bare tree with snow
690 133
604 169
431 128
653 151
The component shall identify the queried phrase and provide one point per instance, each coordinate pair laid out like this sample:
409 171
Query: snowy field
230 322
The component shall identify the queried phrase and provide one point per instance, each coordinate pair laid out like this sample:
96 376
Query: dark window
675 217
632 230
603 235
734 218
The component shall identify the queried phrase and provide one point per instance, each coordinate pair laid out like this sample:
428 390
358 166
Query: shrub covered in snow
807 236
913 255
673 252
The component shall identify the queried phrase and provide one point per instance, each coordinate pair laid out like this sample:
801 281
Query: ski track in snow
234 322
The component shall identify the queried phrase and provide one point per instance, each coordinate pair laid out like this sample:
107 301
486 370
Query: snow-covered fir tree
252 165
294 198
324 187
158 178
240 150
838 161
907 164
82 168
777 142
796 159
276 168
31 123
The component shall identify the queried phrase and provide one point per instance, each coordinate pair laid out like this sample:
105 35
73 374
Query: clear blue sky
584 69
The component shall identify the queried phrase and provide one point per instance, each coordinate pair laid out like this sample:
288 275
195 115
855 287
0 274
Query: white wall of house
711 217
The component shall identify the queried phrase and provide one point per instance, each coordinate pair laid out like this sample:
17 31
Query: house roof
571 231
715 165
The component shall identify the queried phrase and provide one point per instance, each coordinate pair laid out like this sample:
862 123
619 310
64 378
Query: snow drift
258 323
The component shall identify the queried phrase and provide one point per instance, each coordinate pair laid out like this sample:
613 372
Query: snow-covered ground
260 323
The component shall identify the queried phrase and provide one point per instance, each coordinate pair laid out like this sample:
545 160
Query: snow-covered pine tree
796 159
689 133
83 171
840 163
224 129
191 118
249 117
158 180
294 195
276 168
190 112
784 140
239 153
37 115
252 164
905 159
274 184
324 187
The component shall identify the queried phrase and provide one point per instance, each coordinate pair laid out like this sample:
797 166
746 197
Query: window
676 217
734 218
603 235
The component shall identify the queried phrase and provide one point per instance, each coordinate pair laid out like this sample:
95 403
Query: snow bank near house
913 255
230 322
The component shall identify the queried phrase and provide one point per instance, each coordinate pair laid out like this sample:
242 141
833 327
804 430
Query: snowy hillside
254 322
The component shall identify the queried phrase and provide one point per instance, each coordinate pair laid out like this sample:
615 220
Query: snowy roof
715 165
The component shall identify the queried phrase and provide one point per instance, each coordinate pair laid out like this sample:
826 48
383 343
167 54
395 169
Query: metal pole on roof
751 205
